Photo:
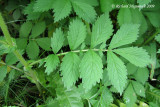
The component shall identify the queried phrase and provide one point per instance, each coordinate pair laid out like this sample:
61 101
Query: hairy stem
16 52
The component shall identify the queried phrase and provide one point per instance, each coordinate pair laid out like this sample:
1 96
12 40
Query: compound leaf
91 69
136 56
117 71
102 30
127 34
77 33
32 50
70 69
52 62
57 40
84 11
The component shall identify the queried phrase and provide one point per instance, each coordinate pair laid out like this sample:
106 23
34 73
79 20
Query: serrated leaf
91 69
52 62
131 69
117 71
139 88
134 16
102 30
21 43
31 15
57 40
44 43
25 29
43 5
129 96
68 98
90 2
62 9
70 69
77 33
3 72
84 11
127 34
38 29
106 98
32 50
136 56
11 59
106 5
142 72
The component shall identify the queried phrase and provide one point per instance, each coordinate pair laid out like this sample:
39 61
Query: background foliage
80 53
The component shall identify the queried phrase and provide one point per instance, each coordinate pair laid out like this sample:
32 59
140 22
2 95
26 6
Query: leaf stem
13 67
61 54
151 37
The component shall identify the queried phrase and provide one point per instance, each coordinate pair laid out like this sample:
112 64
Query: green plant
81 53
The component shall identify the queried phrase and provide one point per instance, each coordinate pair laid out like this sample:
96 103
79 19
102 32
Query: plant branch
61 54
17 53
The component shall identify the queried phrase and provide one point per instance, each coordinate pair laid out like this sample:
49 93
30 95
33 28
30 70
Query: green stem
13 67
16 52
5 30
151 37
61 54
